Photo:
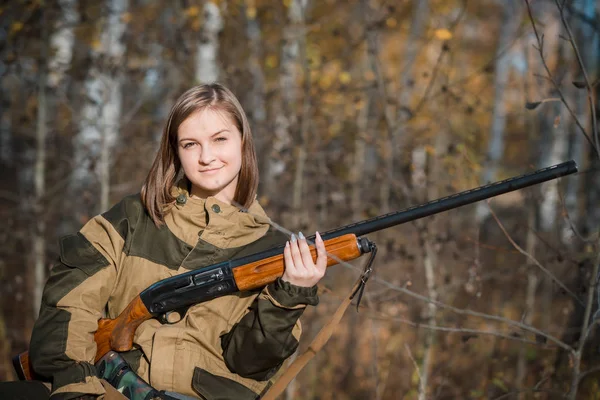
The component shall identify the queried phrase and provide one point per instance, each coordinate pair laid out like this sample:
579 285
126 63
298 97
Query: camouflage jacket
225 348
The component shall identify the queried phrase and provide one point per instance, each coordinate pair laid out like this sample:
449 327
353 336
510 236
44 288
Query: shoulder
126 214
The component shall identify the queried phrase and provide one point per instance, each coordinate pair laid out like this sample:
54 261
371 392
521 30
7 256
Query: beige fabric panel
135 275
222 224
196 341
85 303
91 385
102 234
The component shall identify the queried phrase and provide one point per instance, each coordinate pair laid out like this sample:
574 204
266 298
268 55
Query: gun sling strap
315 346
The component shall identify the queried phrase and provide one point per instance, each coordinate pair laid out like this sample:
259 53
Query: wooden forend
262 272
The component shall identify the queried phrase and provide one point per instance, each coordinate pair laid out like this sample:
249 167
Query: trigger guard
167 318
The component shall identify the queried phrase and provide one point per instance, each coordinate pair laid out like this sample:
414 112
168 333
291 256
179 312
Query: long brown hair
156 191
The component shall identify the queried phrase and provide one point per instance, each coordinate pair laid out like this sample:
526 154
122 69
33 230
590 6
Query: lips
208 171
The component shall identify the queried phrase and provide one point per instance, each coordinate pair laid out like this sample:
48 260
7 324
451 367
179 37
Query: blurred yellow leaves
271 61
16 27
96 44
192 12
345 78
126 17
443 34
251 12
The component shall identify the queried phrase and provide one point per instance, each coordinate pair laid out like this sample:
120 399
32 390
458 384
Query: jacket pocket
77 252
213 387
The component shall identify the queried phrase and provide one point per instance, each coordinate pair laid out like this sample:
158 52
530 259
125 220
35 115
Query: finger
307 258
321 252
289 261
296 256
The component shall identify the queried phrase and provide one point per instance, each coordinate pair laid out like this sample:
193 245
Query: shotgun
257 270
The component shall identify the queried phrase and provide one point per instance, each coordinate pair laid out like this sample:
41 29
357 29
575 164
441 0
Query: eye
221 139
188 145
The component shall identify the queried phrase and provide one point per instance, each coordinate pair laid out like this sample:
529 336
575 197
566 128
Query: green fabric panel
142 238
205 254
77 252
79 260
24 390
133 358
212 387
67 396
49 342
76 373
289 295
272 238
257 345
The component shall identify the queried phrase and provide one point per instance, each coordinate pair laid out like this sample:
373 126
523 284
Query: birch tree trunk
418 154
552 148
6 142
207 67
587 40
386 146
258 108
508 29
39 234
531 241
299 217
559 146
429 262
99 127
62 41
284 111
358 162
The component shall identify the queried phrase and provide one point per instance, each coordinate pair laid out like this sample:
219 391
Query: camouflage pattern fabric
115 370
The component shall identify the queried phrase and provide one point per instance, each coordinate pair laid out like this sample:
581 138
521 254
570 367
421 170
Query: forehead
206 122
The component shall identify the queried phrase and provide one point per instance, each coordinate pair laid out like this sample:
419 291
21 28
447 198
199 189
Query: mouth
211 170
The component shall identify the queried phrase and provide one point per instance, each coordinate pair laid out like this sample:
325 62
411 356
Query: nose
206 155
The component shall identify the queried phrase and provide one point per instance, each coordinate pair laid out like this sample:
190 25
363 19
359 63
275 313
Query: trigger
170 317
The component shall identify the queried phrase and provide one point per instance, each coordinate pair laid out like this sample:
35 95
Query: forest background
359 108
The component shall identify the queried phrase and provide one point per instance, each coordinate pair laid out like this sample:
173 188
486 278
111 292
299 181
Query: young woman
225 348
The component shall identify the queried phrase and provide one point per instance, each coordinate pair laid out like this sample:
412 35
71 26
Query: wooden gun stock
117 334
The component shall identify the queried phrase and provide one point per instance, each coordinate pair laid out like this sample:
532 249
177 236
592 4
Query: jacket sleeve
268 334
62 347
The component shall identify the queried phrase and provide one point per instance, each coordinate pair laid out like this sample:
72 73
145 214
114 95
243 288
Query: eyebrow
213 135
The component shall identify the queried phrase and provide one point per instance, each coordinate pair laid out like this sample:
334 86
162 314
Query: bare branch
533 259
553 81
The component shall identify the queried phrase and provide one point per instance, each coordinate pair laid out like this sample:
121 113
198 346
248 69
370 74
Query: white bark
6 143
509 26
207 67
418 154
257 103
429 261
358 162
587 39
558 151
303 142
258 110
62 41
292 36
39 236
101 114
284 111
373 44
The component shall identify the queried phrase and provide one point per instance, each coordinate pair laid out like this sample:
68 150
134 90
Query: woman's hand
300 269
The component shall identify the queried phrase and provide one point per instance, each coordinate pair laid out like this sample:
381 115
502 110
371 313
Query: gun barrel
454 201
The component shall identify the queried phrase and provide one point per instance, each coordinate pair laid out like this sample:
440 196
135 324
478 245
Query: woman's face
209 146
